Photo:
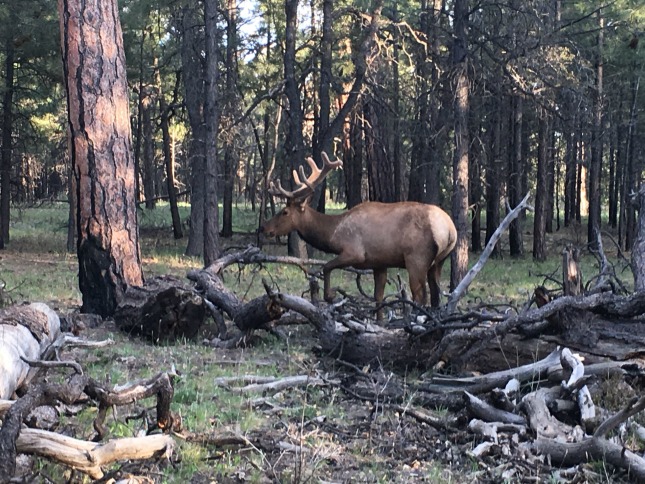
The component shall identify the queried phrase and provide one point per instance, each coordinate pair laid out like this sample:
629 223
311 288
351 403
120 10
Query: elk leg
418 287
434 274
343 260
380 279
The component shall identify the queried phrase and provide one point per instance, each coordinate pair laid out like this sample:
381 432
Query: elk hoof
329 297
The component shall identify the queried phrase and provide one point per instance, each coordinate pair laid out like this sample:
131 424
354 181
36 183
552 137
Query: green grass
35 266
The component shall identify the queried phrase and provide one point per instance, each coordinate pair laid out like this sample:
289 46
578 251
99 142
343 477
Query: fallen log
90 457
71 392
164 309
27 332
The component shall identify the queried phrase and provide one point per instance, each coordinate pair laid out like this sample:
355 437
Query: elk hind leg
418 285
434 275
380 279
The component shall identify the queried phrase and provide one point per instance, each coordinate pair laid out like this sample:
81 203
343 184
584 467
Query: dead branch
463 285
450 422
71 392
89 457
479 408
279 384
484 383
254 255
567 454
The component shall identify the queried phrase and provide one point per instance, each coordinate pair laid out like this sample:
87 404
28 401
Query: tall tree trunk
232 104
379 168
322 141
516 242
493 175
294 146
541 192
396 121
101 152
168 156
475 181
212 247
632 167
192 46
141 95
570 166
148 165
353 156
459 257
7 141
594 188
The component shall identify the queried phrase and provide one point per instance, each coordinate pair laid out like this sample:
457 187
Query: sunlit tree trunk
101 152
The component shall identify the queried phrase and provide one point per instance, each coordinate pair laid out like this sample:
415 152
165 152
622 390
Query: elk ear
302 204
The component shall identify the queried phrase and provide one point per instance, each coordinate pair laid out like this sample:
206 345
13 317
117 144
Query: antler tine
305 185
275 188
331 164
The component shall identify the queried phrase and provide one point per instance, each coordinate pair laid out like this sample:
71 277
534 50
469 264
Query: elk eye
284 212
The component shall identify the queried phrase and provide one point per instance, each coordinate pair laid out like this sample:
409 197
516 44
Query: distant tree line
464 104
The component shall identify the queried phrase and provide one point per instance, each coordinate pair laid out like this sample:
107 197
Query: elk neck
317 229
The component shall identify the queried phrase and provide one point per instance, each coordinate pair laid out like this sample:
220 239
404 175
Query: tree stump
164 309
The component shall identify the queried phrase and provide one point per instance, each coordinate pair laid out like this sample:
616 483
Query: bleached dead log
280 384
462 287
485 429
535 406
90 457
227 381
598 447
594 449
448 422
481 450
71 392
27 331
485 411
484 383
576 369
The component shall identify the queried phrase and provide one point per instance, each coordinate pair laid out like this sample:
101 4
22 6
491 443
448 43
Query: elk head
289 218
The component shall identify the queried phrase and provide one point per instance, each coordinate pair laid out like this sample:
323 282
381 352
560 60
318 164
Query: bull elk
372 235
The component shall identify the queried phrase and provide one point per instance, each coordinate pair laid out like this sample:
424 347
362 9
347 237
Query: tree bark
7 135
516 242
191 47
211 117
459 256
101 152
595 166
294 146
231 107
493 175
541 202
168 154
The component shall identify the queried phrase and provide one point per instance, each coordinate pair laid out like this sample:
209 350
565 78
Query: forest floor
321 431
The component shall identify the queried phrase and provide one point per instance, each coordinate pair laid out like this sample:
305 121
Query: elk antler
305 186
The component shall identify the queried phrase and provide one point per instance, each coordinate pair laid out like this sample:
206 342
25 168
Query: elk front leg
343 260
